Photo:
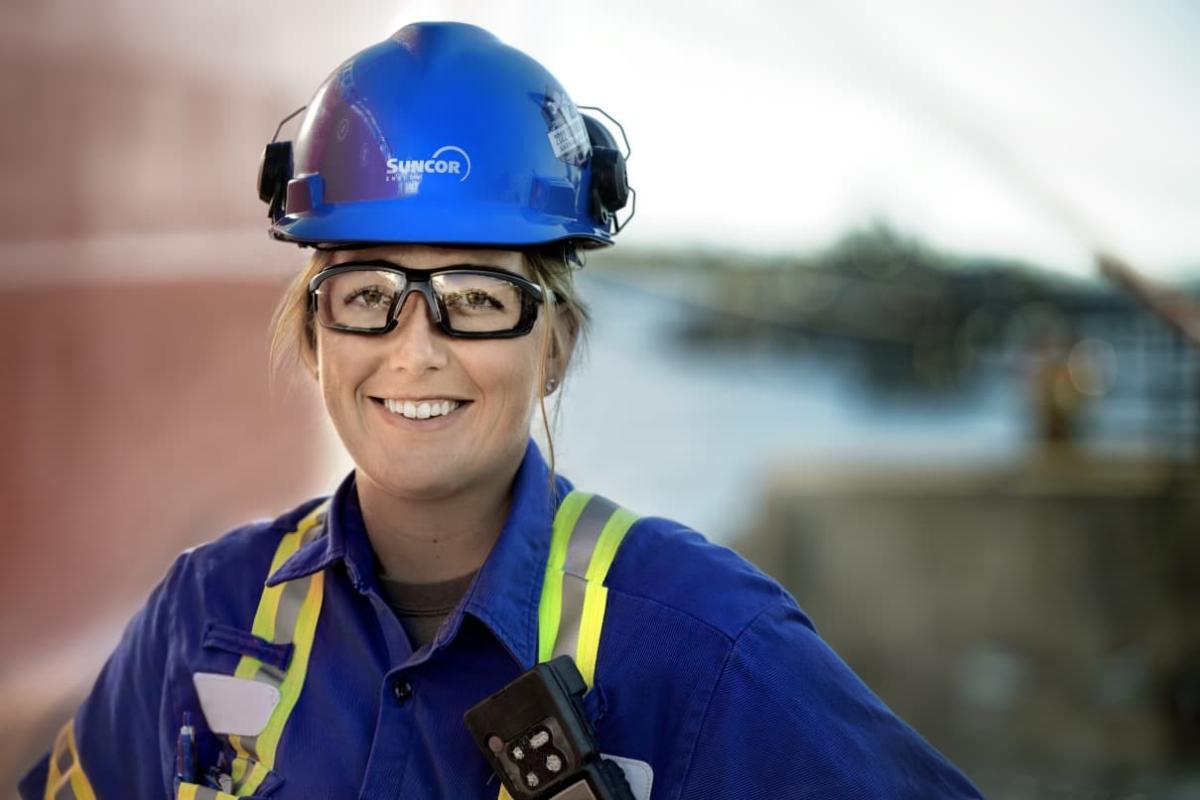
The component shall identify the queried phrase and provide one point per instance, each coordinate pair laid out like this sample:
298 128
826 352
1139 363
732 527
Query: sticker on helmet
567 134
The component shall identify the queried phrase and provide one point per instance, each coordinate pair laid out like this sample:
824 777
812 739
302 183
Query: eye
368 297
472 300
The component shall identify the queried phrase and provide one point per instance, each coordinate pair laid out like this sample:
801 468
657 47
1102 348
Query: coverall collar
506 592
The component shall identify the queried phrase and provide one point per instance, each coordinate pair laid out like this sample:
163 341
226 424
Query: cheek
337 367
511 376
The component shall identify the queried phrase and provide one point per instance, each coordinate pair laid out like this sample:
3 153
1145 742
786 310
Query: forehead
421 256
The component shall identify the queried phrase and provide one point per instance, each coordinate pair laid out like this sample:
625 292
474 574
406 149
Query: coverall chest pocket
238 681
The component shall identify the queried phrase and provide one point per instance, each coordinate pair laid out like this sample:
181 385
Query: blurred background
907 316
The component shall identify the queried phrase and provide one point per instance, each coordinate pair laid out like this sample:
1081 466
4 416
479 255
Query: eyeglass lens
470 303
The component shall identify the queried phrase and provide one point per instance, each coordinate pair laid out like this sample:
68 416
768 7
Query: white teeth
422 410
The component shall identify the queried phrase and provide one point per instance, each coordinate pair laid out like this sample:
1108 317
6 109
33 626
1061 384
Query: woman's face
494 382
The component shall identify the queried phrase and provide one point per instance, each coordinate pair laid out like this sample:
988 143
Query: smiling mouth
422 409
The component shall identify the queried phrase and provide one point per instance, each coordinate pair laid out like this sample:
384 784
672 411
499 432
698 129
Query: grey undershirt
422 607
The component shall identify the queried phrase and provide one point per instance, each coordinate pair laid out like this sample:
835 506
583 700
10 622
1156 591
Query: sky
1035 130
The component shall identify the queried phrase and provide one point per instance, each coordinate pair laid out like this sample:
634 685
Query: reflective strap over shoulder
66 778
587 531
287 614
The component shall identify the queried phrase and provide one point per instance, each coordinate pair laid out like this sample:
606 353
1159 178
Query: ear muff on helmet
609 184
274 172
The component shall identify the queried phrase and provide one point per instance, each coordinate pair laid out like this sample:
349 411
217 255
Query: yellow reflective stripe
549 611
238 772
264 625
243 767
289 691
80 786
250 764
504 795
550 606
66 778
54 774
610 539
257 774
595 599
268 604
194 791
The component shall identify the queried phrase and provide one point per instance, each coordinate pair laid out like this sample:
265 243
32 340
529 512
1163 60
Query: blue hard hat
443 134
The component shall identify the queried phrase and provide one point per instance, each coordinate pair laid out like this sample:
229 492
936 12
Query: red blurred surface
137 422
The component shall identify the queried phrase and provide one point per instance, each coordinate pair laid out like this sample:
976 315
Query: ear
562 346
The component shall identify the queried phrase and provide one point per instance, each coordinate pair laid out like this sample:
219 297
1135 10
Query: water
695 435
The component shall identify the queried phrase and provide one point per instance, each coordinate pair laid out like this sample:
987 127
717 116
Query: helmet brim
429 222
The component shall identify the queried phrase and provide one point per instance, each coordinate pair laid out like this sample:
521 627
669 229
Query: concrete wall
1038 620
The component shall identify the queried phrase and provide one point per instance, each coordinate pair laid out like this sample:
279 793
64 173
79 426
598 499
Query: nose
416 343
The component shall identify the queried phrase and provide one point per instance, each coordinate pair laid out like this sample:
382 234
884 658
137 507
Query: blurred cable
1172 306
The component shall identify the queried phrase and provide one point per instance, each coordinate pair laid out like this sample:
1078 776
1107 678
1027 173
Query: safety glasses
470 302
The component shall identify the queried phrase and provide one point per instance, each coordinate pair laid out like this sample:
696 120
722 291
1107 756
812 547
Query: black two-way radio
536 736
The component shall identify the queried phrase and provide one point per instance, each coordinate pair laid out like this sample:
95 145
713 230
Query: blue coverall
708 671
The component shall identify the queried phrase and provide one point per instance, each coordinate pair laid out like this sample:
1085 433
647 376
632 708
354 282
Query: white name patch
237 706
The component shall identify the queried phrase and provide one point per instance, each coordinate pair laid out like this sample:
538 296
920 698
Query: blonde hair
293 336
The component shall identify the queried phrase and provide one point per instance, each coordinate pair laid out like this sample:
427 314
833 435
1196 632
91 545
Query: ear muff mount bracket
275 170
610 189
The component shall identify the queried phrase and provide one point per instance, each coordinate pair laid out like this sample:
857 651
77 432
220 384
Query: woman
447 182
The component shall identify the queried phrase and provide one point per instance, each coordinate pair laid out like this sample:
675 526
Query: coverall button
402 691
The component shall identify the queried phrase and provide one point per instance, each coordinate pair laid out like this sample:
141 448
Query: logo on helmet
400 169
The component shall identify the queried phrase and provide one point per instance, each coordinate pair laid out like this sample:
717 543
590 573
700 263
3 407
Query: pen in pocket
185 751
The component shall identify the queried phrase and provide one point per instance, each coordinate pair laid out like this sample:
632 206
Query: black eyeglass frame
421 280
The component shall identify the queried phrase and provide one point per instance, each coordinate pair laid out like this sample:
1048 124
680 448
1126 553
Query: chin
417 473
414 483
